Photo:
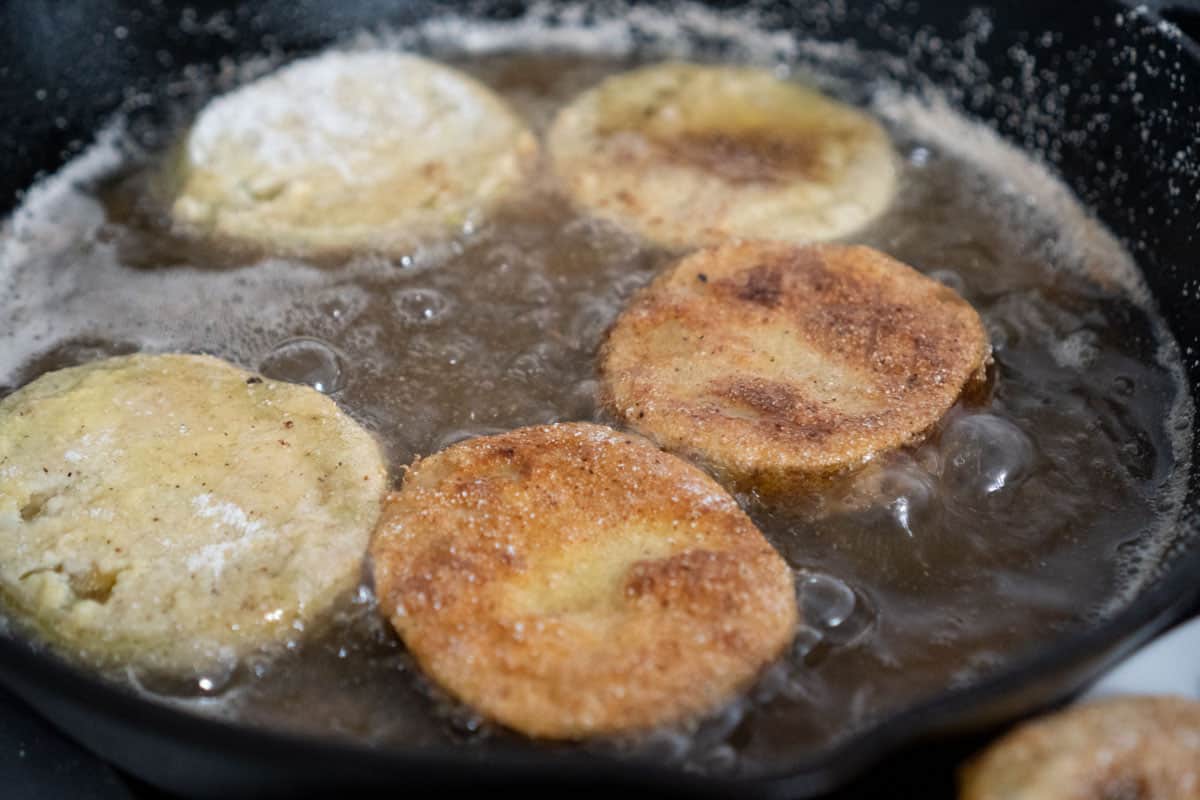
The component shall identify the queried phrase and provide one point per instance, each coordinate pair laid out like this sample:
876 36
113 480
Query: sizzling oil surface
1017 522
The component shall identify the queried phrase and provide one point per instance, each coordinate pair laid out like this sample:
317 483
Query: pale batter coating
570 580
1123 748
176 513
689 155
781 366
349 151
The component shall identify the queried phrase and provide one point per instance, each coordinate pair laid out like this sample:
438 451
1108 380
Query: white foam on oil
1082 241
617 30
37 224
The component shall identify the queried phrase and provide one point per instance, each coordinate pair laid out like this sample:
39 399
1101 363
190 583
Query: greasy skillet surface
65 67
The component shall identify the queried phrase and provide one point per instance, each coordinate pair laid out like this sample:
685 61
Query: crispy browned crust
1123 748
569 580
781 366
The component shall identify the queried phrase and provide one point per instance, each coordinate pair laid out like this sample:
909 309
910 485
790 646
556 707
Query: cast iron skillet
65 66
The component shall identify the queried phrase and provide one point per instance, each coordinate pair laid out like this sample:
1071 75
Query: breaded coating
780 366
570 580
1120 748
689 155
175 513
348 151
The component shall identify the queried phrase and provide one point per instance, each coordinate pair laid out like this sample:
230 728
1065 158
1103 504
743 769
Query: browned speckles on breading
1136 747
569 580
762 284
696 579
769 397
787 364
747 157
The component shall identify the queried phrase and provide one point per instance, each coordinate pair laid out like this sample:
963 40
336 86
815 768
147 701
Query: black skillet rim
1086 650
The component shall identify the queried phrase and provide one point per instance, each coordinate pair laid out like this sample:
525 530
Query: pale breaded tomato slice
176 513
348 151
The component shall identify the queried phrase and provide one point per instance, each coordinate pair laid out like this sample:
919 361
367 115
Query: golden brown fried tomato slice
780 365
1140 748
570 580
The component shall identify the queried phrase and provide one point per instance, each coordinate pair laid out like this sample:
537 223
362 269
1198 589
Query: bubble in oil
418 306
902 512
907 504
213 682
456 351
920 156
531 363
306 360
219 679
1123 386
903 490
804 642
997 333
825 601
1077 350
589 323
832 614
985 458
463 722
340 305
789 677
715 729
